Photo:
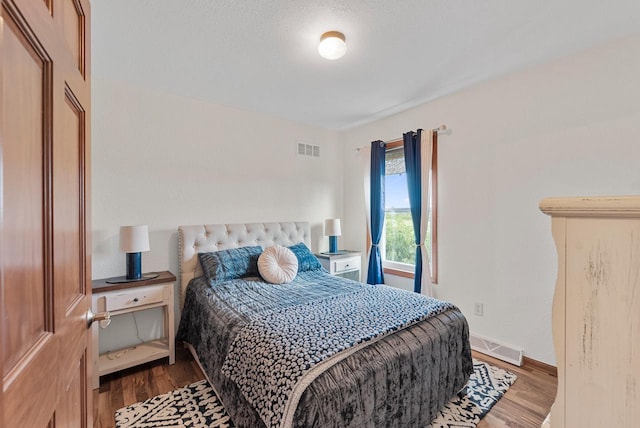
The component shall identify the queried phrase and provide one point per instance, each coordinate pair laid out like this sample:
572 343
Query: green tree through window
398 242
399 237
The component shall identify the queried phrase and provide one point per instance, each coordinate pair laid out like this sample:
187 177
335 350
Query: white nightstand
128 297
346 263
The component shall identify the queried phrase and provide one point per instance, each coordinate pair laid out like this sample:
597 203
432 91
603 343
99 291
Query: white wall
571 127
165 161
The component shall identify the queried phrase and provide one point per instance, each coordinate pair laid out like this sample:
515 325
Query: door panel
68 188
71 411
74 30
44 268
24 249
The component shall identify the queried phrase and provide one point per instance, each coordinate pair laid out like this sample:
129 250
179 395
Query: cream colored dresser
596 311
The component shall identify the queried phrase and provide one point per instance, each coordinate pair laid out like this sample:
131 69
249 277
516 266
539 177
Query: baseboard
508 353
552 370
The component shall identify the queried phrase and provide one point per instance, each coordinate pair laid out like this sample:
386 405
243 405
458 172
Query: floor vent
503 352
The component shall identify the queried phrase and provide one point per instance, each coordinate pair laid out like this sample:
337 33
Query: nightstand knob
135 300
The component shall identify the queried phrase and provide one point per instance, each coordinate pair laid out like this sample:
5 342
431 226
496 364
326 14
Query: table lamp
332 230
133 241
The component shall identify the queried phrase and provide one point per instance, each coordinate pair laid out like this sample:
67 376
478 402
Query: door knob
103 317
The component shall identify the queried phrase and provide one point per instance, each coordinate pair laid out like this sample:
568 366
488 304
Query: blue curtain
375 274
411 142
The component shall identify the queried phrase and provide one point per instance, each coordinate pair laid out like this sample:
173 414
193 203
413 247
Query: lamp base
333 244
134 266
123 279
134 271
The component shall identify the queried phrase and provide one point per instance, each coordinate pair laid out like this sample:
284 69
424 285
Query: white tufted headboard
212 237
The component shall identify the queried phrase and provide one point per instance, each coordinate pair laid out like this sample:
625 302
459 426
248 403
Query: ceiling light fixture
332 45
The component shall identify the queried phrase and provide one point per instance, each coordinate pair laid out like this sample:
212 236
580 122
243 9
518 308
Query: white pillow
278 265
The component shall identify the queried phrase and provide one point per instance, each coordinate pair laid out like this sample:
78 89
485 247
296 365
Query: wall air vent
303 149
501 351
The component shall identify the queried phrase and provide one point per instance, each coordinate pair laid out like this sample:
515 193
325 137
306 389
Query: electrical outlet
478 309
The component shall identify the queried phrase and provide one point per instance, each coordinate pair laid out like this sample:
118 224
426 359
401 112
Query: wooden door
44 213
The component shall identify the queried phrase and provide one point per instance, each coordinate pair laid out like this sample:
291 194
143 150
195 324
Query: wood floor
528 401
525 405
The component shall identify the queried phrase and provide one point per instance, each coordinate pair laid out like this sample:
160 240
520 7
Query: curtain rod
442 129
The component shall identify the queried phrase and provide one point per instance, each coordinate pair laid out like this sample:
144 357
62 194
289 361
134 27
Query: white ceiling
262 55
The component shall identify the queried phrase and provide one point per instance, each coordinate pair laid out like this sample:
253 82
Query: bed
291 355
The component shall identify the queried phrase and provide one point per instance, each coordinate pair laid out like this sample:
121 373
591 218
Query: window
397 245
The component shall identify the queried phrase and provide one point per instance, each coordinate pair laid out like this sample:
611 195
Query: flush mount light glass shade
332 45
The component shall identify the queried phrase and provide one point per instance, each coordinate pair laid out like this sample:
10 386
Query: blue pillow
231 264
306 259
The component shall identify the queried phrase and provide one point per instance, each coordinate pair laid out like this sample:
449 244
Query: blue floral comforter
266 346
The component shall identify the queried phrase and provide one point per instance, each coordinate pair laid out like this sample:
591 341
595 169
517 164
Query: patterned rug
196 405
486 386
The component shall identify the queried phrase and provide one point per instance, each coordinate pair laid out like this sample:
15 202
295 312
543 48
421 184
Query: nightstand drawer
133 298
346 264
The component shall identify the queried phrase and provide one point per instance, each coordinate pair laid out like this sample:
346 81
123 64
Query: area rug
197 405
486 386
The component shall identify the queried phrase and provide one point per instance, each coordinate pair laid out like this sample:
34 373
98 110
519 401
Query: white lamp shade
332 45
332 227
134 239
